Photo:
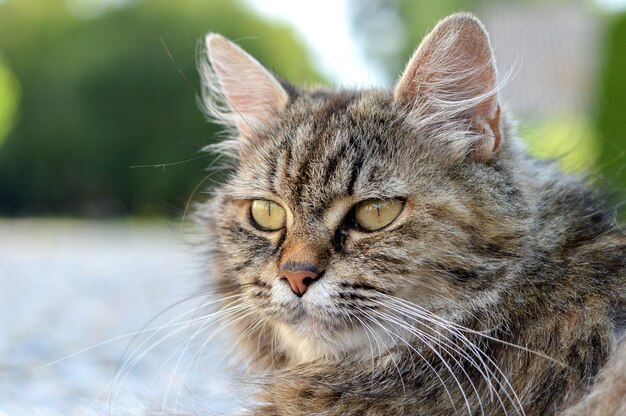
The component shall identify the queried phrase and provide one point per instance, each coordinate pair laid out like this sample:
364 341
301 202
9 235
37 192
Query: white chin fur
314 336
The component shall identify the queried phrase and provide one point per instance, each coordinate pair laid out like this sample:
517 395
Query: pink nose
300 276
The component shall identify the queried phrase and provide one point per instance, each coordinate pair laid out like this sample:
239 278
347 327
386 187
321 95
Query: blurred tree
9 100
611 117
115 90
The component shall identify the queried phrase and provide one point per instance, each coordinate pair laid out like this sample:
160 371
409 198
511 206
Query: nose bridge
302 249
306 240
304 258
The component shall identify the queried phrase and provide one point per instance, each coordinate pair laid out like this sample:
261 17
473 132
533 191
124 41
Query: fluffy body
497 290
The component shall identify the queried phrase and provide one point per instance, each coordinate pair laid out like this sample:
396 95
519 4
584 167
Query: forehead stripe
317 142
357 164
333 162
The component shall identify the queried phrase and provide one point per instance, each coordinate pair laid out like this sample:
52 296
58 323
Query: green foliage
571 140
9 100
611 119
100 95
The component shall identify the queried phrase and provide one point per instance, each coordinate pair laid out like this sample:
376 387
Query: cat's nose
300 276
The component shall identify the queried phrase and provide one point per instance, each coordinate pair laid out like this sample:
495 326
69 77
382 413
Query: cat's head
342 205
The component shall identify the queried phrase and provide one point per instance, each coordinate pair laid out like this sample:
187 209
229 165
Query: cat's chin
313 327
309 338
310 325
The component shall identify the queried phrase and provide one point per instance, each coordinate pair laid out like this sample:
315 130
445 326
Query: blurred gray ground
66 286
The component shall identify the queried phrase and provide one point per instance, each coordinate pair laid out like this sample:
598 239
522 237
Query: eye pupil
267 215
375 214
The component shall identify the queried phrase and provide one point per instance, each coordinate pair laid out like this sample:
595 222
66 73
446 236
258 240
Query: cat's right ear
237 90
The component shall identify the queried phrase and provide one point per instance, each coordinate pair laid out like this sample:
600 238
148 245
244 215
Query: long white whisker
236 309
422 336
483 369
455 329
237 314
246 333
479 333
479 353
431 368
131 360
443 361
223 314
369 340
393 334
119 337
389 354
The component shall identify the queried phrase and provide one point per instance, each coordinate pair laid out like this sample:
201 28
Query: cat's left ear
238 90
453 74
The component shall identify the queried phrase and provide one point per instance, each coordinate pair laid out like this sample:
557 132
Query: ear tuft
453 72
237 90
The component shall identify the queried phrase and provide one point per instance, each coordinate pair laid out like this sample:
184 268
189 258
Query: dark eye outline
258 226
352 223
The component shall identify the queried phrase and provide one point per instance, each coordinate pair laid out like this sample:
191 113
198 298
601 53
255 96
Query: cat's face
341 203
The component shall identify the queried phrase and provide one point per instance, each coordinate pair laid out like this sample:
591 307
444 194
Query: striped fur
494 292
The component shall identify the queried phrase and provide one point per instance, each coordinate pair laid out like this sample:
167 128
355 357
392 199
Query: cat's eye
267 215
374 214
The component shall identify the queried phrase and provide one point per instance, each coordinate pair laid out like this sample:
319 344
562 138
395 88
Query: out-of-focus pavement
66 286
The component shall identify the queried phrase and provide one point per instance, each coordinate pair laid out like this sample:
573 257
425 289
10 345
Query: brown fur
495 291
608 395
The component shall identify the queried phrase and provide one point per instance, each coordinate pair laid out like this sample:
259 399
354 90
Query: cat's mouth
309 320
314 314
310 336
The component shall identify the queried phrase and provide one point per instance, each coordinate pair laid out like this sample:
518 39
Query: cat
398 252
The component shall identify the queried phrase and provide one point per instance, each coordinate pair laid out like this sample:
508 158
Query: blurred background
100 135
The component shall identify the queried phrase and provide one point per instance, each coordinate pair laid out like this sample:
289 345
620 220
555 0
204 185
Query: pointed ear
453 71
238 90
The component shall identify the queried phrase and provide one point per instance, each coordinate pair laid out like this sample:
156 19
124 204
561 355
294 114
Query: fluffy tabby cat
398 252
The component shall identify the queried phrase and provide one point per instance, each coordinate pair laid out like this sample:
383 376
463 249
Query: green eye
374 214
267 215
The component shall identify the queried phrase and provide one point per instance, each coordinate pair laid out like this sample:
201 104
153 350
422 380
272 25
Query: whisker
221 314
238 316
479 333
369 340
131 360
470 345
422 337
390 355
119 337
434 371
239 311
455 330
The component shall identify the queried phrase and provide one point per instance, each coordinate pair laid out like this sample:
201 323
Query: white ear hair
237 90
453 73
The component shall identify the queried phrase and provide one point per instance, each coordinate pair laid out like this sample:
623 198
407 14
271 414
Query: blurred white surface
68 286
